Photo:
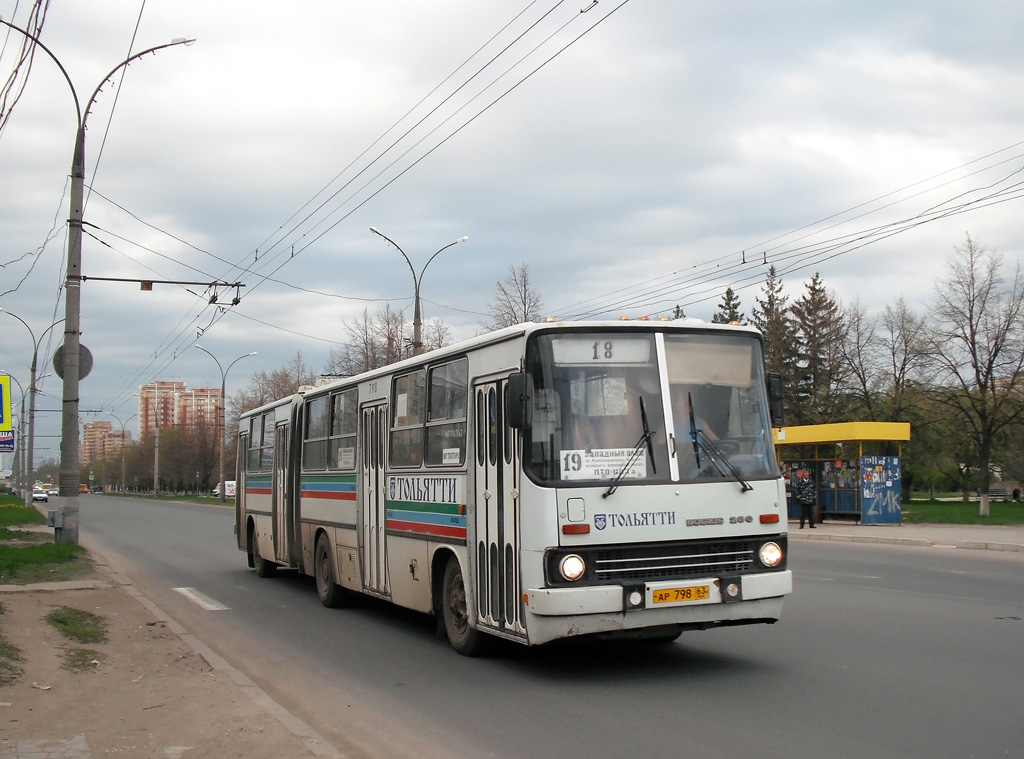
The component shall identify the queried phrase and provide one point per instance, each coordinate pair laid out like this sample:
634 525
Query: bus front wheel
331 594
463 638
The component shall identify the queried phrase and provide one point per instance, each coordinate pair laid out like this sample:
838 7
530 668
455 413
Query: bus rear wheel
263 567
331 594
464 639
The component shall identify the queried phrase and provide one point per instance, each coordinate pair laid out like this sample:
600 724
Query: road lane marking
201 599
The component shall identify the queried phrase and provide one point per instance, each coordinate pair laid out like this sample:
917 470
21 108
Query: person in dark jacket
803 492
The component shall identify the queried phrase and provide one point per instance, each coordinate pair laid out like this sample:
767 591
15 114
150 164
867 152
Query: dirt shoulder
145 692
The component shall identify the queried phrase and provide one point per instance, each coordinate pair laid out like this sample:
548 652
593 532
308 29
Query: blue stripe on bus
424 517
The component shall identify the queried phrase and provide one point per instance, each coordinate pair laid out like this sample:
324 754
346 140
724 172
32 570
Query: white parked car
229 489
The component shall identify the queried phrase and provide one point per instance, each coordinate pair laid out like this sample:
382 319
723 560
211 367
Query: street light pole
223 420
32 390
123 424
417 343
71 369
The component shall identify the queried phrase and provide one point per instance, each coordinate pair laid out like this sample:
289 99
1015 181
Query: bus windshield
597 397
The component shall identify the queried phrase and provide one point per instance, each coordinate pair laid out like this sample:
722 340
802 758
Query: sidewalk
153 690
968 536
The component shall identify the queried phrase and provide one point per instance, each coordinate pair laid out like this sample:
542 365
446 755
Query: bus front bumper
559 612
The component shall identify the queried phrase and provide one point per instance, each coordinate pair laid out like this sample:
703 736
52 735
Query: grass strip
958 512
81 626
16 562
11 516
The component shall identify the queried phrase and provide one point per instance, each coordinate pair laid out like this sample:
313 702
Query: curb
919 542
974 545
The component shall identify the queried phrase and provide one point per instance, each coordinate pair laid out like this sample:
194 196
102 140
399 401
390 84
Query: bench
998 494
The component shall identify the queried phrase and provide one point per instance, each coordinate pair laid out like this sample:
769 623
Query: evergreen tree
771 316
820 335
729 309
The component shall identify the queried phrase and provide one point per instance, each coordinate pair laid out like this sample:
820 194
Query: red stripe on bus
427 529
331 495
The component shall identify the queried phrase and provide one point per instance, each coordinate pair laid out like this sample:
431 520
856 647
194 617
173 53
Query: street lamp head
372 229
186 41
463 238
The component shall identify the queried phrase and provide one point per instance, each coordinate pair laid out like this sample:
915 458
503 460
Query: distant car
38 494
54 492
229 489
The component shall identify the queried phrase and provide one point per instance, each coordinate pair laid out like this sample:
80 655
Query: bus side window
314 445
341 452
407 417
446 420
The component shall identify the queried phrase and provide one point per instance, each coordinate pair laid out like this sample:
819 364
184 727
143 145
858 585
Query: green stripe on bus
431 508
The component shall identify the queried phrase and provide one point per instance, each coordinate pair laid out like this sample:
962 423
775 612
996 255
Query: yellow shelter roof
841 432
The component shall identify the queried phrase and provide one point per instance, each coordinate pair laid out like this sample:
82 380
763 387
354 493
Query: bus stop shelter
852 465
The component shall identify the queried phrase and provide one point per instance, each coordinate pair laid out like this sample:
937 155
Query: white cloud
631 172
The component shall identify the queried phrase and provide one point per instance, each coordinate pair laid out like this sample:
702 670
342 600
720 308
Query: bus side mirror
519 411
775 409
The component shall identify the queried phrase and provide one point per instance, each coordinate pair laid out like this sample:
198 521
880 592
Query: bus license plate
681 595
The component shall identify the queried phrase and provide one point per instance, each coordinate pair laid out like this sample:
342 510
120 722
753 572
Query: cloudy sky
636 155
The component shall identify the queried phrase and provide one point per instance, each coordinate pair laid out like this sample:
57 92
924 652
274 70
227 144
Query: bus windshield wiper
646 441
718 457
693 429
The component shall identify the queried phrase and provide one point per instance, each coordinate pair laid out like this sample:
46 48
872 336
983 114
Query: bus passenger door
280 494
373 434
496 511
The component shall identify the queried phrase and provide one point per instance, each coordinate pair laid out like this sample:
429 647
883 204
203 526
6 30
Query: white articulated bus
540 482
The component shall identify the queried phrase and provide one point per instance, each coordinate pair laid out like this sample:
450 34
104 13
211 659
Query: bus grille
672 561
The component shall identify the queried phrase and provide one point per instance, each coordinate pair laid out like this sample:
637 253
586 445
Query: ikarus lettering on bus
427 505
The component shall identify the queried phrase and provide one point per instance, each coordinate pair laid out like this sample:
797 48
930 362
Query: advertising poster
5 403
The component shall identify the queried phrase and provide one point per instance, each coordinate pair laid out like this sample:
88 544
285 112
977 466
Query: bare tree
902 338
376 341
859 353
436 334
515 300
265 387
976 342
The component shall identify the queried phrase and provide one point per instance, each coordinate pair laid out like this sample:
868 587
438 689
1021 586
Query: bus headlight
572 567
770 555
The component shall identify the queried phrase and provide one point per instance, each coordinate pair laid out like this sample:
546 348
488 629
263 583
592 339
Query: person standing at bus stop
803 492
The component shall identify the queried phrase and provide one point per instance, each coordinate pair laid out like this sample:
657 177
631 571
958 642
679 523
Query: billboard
5 403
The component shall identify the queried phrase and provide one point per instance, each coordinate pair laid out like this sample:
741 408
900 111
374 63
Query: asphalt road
882 652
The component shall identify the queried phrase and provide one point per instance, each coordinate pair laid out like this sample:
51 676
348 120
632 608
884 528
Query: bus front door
496 513
373 444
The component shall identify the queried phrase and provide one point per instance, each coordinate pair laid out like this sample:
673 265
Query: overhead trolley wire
799 257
